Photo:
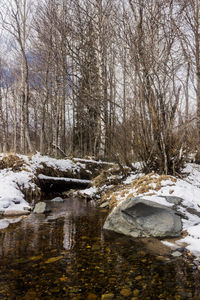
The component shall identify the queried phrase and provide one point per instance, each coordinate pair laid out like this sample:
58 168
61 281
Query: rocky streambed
66 254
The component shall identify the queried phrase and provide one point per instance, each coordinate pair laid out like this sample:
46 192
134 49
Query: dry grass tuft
113 195
12 161
113 201
100 180
131 195
150 182
112 176
146 184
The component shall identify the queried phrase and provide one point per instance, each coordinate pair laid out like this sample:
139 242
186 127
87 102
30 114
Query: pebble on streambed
15 213
176 254
109 296
194 262
41 208
126 292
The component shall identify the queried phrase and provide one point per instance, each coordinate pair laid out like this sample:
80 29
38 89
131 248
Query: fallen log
50 184
92 168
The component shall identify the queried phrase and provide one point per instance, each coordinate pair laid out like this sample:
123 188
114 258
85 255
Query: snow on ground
131 177
11 197
193 171
193 239
41 176
154 188
61 164
90 192
98 162
171 245
12 183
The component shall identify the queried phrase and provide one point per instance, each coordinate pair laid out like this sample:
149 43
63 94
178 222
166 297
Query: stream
66 255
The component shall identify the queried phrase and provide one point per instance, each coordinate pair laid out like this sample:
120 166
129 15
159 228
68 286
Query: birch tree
187 24
16 23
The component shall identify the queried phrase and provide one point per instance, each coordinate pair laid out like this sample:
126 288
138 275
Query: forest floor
20 188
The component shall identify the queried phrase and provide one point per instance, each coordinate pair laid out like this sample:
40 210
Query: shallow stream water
66 255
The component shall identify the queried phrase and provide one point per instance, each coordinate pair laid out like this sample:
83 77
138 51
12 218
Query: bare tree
16 23
187 25
153 68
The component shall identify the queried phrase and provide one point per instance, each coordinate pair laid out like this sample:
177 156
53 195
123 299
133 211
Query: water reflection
38 233
65 255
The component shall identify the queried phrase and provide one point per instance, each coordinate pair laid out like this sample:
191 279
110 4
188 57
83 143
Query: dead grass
108 177
113 201
146 184
31 194
112 195
131 195
100 180
12 161
149 182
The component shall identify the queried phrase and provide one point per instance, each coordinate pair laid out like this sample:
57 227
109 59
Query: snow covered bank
153 187
12 199
20 175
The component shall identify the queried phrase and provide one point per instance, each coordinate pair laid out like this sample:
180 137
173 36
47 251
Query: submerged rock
57 199
15 212
91 296
41 208
138 217
126 292
16 201
107 296
176 254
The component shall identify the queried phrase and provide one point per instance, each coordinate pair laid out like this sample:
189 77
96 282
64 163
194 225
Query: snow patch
89 192
61 164
193 244
99 162
41 176
131 177
159 200
11 197
171 245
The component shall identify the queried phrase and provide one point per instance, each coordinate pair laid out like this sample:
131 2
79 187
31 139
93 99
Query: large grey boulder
138 217
41 208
